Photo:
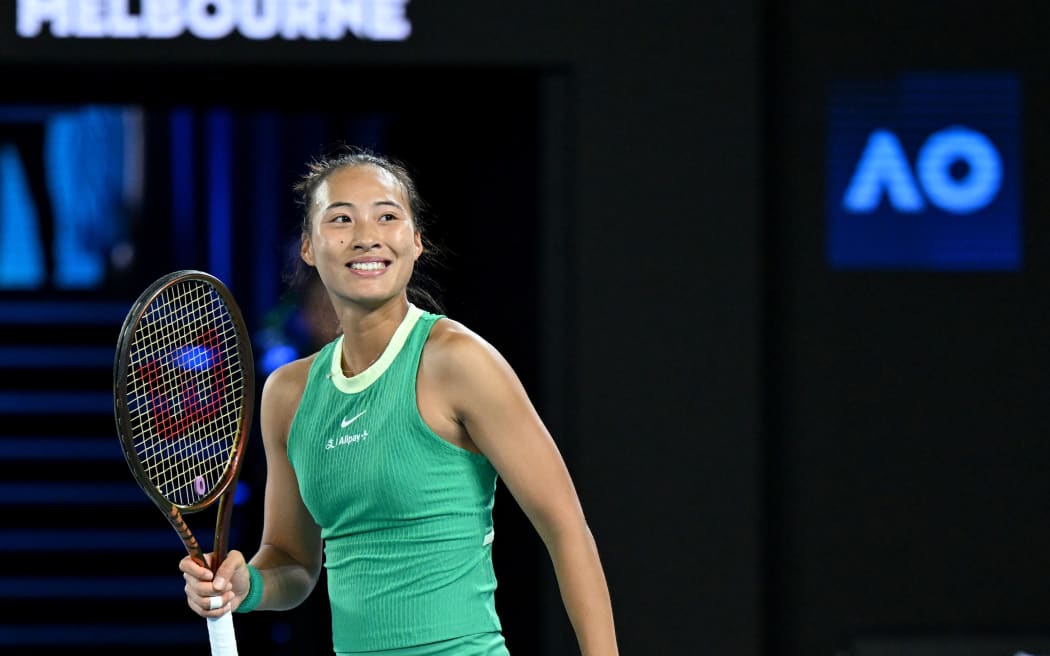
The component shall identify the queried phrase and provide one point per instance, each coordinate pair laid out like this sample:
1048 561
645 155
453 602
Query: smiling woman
362 237
398 507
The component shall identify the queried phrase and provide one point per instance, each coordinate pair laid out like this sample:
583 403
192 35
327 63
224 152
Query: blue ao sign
924 173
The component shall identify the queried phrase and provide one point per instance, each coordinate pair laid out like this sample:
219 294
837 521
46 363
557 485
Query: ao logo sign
957 169
924 173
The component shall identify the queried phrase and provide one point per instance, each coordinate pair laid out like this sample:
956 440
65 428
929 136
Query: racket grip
220 633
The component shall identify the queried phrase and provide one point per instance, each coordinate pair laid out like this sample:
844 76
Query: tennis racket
183 393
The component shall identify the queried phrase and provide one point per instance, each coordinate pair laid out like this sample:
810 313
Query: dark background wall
774 458
906 410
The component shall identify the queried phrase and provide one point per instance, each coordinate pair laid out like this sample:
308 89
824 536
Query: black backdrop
773 457
907 410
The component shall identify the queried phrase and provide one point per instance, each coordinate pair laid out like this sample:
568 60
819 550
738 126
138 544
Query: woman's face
363 239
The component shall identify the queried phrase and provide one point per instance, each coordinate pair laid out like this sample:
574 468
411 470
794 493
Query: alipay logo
924 173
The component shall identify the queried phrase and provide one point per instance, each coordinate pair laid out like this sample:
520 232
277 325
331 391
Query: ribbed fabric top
405 515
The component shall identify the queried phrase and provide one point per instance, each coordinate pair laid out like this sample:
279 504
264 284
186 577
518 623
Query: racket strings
186 385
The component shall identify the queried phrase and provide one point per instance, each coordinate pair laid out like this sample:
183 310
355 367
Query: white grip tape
220 633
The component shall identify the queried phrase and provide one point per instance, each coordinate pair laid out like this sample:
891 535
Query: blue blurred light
242 494
21 253
275 356
193 358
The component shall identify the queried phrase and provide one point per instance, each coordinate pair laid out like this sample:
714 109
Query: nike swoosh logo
346 422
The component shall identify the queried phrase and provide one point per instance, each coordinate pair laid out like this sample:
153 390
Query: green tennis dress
406 516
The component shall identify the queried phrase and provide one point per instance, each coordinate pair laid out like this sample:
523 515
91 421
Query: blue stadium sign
924 173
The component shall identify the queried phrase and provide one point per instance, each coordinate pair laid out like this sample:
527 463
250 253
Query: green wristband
255 591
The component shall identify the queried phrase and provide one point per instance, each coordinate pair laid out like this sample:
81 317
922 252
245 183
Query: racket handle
223 639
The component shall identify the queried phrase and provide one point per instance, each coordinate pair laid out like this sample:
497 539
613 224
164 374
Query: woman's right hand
215 594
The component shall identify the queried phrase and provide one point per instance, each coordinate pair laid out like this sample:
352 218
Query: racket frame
225 489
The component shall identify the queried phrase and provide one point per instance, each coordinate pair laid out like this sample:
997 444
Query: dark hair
422 289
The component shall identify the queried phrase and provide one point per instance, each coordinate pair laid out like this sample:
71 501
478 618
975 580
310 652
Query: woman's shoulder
285 384
451 335
453 348
471 374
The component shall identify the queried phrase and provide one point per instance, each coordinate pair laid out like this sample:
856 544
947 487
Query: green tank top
406 517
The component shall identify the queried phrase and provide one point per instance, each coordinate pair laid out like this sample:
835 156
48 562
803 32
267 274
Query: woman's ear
419 244
306 251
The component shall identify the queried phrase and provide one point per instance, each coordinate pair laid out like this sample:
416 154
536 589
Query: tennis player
383 451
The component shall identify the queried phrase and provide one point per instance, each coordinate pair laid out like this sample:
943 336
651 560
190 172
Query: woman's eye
388 217
341 218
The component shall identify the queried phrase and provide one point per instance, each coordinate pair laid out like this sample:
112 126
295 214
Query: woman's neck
367 331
